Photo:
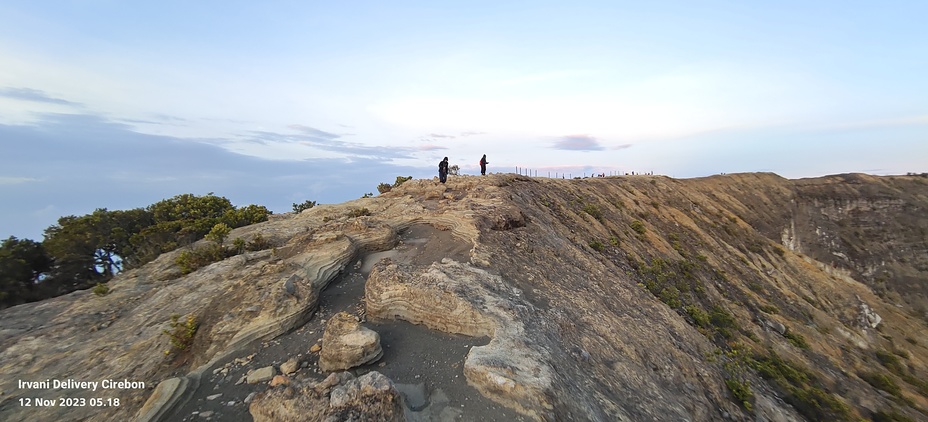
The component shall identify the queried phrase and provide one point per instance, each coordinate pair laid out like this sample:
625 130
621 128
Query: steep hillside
736 297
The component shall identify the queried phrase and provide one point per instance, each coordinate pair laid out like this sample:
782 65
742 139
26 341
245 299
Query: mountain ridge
639 296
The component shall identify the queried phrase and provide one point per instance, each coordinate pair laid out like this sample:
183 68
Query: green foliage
741 390
796 339
239 245
193 259
671 296
358 212
614 241
23 263
594 211
890 416
723 321
638 227
218 234
182 332
258 243
101 289
298 208
890 361
700 318
400 180
801 388
882 382
367 195
769 309
384 187
597 245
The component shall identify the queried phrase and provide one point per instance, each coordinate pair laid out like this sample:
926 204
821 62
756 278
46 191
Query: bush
193 259
638 227
258 243
358 212
699 317
723 321
298 208
796 339
181 333
890 416
593 211
741 390
101 289
384 188
400 180
218 234
597 245
881 382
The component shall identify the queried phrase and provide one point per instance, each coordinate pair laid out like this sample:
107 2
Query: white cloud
6 180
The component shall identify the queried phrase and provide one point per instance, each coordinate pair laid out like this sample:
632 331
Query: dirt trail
426 365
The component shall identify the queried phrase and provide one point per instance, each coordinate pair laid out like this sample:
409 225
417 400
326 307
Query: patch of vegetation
700 317
655 204
769 309
881 382
723 321
911 340
638 227
181 333
890 361
796 339
614 241
741 390
890 416
594 211
298 208
367 195
384 187
801 388
101 289
358 212
191 260
597 245
779 251
258 243
400 180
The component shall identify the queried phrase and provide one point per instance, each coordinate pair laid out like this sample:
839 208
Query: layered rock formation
633 298
347 344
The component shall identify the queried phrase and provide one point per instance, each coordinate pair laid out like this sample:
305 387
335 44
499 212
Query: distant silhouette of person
443 170
483 165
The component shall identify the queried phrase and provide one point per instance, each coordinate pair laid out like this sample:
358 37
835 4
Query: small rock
261 375
315 349
231 403
290 366
206 414
213 397
250 397
280 380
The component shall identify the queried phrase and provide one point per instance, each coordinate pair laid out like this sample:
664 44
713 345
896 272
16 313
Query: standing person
483 165
443 170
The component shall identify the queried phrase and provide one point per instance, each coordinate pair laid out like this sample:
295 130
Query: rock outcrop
346 344
340 397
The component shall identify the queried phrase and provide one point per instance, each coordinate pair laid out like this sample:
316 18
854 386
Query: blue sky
120 104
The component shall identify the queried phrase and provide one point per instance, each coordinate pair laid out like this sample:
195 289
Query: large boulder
341 396
347 344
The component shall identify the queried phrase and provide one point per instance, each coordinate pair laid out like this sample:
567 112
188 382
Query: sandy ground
426 365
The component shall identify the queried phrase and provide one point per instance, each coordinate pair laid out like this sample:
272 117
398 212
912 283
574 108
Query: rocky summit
639 298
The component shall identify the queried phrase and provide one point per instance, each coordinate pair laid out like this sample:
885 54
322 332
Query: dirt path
426 365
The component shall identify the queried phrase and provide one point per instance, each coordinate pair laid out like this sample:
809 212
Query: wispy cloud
35 95
577 143
623 146
471 133
311 131
16 180
440 135
430 147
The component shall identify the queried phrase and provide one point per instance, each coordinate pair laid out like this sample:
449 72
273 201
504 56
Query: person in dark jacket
483 165
443 170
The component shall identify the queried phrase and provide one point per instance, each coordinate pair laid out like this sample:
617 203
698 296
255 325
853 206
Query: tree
298 208
23 264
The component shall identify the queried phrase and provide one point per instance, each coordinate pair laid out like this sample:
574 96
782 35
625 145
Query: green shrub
218 234
638 227
723 321
614 241
192 259
890 416
699 317
239 245
593 210
741 390
298 208
890 361
400 180
384 187
597 245
671 296
882 382
181 333
258 243
101 289
796 339
769 309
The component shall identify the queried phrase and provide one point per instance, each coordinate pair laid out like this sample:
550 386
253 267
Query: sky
114 104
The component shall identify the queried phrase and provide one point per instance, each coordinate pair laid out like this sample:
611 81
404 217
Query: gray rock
264 374
214 397
415 395
290 366
346 344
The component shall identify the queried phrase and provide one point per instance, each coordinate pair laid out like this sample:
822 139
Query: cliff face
734 297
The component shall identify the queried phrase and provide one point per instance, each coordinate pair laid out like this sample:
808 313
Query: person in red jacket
483 165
